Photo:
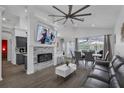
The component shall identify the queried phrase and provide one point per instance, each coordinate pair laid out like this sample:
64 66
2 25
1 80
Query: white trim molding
1 78
1 10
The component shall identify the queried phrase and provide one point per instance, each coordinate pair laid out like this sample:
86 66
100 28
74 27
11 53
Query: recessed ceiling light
3 18
75 25
93 25
26 10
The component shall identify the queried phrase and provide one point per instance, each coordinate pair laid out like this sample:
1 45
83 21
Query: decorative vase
67 63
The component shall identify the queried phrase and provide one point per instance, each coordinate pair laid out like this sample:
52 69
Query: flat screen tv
44 35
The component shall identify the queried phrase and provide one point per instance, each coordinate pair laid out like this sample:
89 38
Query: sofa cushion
101 75
120 75
95 83
114 83
111 72
100 67
117 64
104 68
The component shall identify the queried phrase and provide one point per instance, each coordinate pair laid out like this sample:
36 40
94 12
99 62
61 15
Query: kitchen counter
21 58
24 55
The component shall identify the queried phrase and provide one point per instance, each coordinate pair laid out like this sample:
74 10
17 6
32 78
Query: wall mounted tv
44 35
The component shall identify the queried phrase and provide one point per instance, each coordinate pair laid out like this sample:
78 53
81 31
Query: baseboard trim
29 72
1 78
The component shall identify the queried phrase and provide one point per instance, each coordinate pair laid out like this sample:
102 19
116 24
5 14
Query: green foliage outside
89 46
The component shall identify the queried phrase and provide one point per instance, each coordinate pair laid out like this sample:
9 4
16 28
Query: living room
43 58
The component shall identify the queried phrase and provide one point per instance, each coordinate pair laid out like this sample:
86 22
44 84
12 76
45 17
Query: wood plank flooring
16 77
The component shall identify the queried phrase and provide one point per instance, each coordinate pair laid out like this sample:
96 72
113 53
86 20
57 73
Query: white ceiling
103 16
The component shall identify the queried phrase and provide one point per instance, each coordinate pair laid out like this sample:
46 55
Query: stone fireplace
43 57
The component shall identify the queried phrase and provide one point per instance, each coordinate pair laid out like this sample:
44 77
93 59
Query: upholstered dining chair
103 60
89 57
78 57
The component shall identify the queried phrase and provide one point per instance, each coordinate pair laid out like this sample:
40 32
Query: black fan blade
78 19
86 6
56 15
88 14
72 21
59 19
65 21
59 10
70 9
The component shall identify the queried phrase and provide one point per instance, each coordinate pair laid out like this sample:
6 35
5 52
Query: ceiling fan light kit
70 15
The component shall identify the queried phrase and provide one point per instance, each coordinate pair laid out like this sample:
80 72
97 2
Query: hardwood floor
16 77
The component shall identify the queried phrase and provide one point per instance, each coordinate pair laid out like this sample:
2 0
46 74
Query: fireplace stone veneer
45 62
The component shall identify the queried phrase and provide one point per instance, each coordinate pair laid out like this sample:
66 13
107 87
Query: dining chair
100 52
103 60
106 56
89 57
78 57
72 56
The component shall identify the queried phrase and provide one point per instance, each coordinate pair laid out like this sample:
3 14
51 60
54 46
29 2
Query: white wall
30 63
83 32
8 36
23 22
119 46
33 21
13 47
1 10
20 32
9 54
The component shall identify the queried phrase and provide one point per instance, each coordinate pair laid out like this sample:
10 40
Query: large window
70 48
91 43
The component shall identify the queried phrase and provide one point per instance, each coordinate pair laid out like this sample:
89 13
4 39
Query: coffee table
65 70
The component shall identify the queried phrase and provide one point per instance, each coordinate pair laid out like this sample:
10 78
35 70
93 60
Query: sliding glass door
91 43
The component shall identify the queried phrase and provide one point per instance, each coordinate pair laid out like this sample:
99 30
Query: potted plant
66 61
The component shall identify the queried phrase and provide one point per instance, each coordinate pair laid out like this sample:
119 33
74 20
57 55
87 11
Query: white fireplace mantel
43 45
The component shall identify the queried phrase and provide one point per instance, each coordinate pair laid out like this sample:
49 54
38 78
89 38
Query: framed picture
45 35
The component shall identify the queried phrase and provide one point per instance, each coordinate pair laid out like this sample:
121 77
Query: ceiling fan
70 15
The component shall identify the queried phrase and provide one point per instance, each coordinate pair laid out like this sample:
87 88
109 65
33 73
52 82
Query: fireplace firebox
44 57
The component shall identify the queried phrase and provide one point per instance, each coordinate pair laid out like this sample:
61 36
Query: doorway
4 50
4 54
9 69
